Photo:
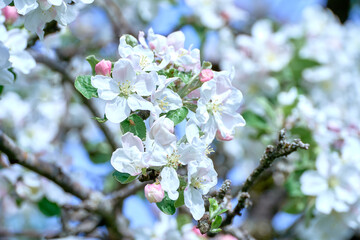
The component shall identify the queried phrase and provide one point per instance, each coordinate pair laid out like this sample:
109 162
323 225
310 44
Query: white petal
25 6
6 77
22 61
117 110
129 140
312 183
107 87
145 83
55 2
136 102
325 201
194 201
170 182
123 71
127 160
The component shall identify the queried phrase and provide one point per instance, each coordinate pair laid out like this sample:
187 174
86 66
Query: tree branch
46 169
282 149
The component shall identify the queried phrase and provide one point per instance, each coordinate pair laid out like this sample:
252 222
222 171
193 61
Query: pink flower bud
227 137
10 14
103 68
206 75
154 192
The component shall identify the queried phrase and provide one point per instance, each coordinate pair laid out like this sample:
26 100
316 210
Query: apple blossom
123 92
201 177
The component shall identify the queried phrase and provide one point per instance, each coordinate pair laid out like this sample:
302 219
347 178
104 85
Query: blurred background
297 64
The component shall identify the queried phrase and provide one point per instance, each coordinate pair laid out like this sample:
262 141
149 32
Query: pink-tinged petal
124 72
136 102
107 87
194 201
117 110
312 183
129 140
103 68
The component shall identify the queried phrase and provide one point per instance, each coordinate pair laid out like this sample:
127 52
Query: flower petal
117 110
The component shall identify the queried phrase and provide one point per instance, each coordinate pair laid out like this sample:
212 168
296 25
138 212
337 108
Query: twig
282 149
60 68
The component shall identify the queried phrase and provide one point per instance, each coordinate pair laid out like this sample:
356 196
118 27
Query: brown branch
282 149
46 169
60 68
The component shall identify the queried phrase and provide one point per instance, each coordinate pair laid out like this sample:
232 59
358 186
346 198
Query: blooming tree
94 119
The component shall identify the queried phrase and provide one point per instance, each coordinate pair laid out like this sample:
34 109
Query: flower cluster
14 57
38 12
159 76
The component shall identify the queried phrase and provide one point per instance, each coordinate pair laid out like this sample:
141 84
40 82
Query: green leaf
292 184
214 206
254 120
1 89
221 212
217 222
182 219
92 60
135 125
177 115
167 205
295 205
100 120
49 208
180 201
83 85
123 177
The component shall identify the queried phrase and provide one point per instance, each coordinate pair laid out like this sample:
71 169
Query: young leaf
217 222
83 85
215 230
167 205
177 115
213 207
123 177
135 125
92 60
48 208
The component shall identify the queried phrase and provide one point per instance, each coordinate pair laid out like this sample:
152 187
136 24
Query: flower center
163 104
144 61
197 182
125 89
209 150
214 106
333 182
173 160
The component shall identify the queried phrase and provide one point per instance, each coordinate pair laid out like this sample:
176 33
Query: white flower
123 92
201 177
334 184
12 49
217 107
130 158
